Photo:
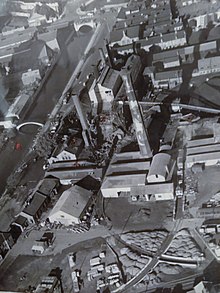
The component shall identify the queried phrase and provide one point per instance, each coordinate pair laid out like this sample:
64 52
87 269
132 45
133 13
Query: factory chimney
141 132
83 120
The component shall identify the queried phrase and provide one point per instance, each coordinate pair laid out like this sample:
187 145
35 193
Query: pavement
64 239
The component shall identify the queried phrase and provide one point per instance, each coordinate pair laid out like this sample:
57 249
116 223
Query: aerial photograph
110 146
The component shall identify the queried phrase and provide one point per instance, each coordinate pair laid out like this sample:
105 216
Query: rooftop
35 204
72 201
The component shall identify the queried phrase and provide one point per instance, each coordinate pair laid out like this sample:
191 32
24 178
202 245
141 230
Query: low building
50 38
71 206
31 76
6 243
35 207
19 108
66 153
160 168
167 79
21 222
48 186
72 174
205 154
127 176
108 86
41 245
207 66
124 36
49 284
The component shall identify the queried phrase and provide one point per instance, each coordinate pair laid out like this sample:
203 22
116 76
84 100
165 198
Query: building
31 76
65 153
50 38
167 79
124 36
20 222
35 207
49 284
126 176
205 287
160 168
207 66
207 154
18 108
108 86
69 174
6 243
48 186
71 206
14 40
41 245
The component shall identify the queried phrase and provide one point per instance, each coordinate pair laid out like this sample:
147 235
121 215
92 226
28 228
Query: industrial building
71 206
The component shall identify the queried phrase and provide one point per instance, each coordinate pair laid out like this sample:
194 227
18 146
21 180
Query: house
48 186
108 86
34 55
67 153
124 36
35 207
6 243
20 222
18 108
71 206
169 58
31 76
50 38
15 39
207 66
167 79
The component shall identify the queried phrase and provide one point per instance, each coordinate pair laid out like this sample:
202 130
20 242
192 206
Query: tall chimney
102 55
110 59
86 131
141 132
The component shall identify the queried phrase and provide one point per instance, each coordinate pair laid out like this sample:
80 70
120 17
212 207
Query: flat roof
126 180
128 167
200 142
203 149
203 157
153 189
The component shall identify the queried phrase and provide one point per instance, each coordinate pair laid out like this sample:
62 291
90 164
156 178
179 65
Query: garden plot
184 246
150 241
132 261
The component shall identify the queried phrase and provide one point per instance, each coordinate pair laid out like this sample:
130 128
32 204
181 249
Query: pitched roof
36 203
72 201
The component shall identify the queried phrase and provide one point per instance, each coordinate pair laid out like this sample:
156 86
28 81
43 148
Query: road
143 272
